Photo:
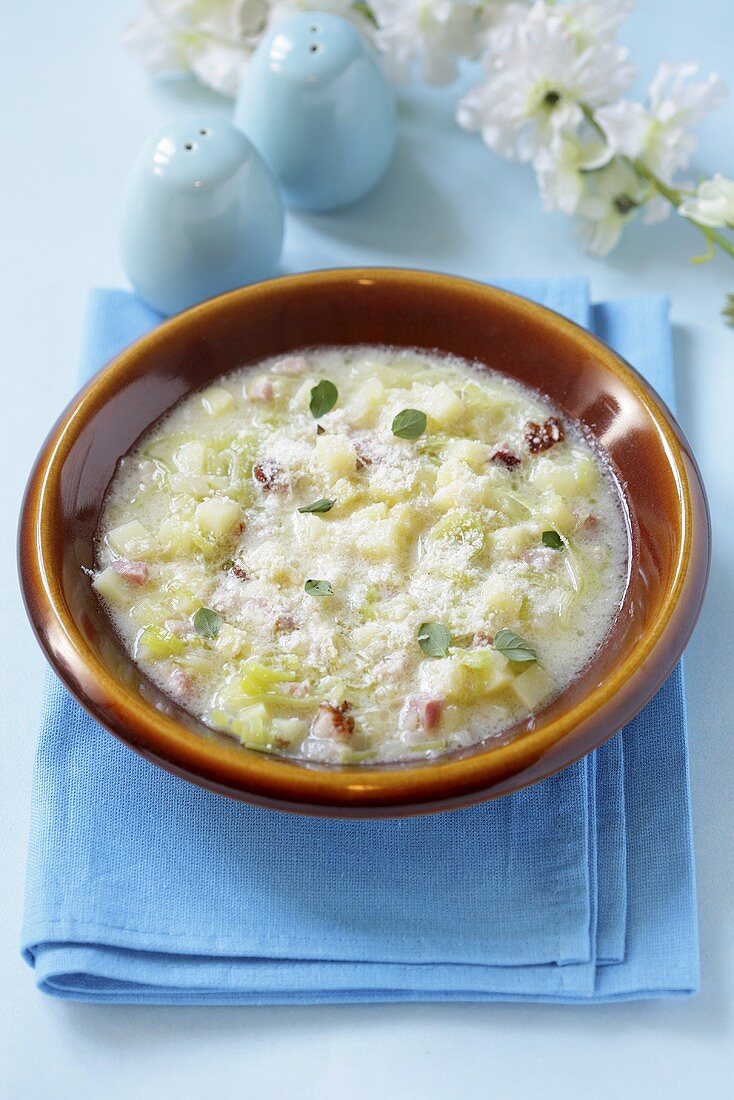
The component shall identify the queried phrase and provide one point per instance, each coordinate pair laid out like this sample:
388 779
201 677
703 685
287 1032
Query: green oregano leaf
323 505
552 540
409 424
513 647
319 588
208 623
323 397
434 639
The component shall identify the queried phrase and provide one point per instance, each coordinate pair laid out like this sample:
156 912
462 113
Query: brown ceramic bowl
582 377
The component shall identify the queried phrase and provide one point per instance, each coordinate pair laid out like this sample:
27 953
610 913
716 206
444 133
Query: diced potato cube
533 686
404 518
381 533
447 498
336 455
363 517
190 458
311 530
110 586
443 405
217 517
216 400
561 478
509 541
488 671
451 471
175 535
503 597
130 540
457 486
347 493
468 676
471 494
377 542
446 678
290 730
587 474
302 396
366 403
471 451
558 516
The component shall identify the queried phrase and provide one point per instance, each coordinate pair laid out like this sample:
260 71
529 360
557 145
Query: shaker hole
204 133
188 146
314 29
315 47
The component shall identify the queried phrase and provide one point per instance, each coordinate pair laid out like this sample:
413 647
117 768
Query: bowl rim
360 790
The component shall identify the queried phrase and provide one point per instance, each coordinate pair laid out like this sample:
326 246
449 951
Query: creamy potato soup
362 554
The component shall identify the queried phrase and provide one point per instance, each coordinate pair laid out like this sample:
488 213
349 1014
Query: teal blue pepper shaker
317 106
202 215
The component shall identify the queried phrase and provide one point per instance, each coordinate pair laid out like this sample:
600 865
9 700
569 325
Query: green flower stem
366 11
672 194
675 198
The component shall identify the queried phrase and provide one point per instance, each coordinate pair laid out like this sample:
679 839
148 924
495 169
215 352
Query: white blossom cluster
551 93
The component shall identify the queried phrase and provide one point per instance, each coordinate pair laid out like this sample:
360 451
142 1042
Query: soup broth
363 554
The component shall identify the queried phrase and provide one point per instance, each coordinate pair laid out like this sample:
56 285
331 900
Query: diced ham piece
284 624
180 628
428 709
541 557
269 476
591 523
482 639
261 390
506 457
540 437
133 572
178 682
364 458
298 689
332 723
290 364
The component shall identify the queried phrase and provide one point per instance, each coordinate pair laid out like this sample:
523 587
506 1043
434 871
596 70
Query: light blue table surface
75 111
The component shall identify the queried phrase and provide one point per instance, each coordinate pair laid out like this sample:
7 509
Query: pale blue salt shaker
317 106
202 215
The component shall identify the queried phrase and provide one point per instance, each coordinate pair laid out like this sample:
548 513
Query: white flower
536 82
496 18
613 194
658 134
214 39
436 34
211 38
713 203
595 21
562 169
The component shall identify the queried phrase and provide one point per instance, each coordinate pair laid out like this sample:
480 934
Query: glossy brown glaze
581 376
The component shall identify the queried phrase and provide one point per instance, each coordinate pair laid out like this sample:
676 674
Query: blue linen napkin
145 889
